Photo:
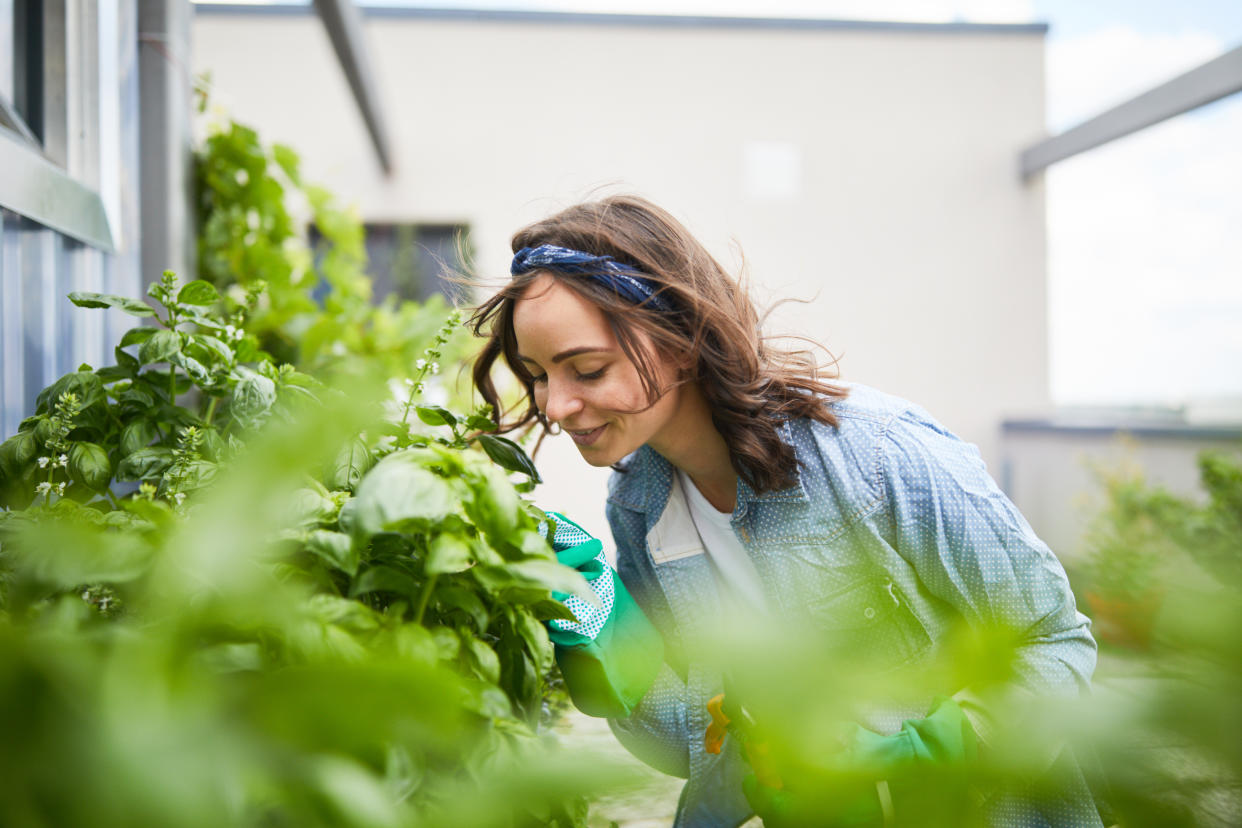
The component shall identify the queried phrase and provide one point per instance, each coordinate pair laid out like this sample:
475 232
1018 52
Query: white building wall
869 169
1054 469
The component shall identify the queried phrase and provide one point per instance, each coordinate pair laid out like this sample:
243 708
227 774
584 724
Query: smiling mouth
588 436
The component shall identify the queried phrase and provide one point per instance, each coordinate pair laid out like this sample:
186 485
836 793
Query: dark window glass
412 260
27 71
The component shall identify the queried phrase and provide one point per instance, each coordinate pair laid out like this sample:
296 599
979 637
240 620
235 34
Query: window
21 70
411 261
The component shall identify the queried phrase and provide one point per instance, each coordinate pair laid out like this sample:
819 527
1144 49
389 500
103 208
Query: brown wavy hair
750 386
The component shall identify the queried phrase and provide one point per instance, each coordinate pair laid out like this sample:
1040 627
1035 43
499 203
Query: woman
744 482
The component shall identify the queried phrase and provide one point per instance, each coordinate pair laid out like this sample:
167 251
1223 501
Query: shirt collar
645 484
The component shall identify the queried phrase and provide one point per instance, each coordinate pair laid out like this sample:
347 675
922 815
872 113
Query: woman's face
583 380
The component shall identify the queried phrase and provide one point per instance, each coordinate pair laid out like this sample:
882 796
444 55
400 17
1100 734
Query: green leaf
127 361
549 609
460 598
535 634
335 549
196 474
214 447
198 292
136 435
221 351
435 415
347 518
508 455
401 489
196 370
305 507
248 350
69 552
137 336
86 299
253 395
85 385
113 373
159 347
448 553
355 794
145 464
88 464
553 576
477 422
384 579
496 508
16 452
43 431
483 658
138 396
349 466
288 161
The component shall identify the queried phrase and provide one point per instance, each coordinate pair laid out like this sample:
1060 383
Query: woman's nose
562 401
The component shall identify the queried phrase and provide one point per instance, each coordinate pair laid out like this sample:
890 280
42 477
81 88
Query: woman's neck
696 447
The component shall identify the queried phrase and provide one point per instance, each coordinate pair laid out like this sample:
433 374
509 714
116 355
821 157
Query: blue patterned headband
625 280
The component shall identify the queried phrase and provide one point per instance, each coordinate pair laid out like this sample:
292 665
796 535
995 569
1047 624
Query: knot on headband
625 280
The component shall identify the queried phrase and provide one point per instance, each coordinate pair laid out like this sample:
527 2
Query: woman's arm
971 547
658 730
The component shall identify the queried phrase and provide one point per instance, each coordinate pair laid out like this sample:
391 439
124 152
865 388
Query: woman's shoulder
863 411
870 424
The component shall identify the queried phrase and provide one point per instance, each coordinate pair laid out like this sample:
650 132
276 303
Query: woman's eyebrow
572 352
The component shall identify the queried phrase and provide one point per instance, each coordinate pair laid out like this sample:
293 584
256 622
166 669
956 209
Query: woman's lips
586 438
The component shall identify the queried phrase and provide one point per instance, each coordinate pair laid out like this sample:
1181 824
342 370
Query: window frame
50 171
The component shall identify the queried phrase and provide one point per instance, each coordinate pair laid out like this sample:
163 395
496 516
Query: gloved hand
611 653
913 777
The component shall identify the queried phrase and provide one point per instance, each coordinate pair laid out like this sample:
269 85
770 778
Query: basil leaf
162 345
509 455
435 415
198 292
86 299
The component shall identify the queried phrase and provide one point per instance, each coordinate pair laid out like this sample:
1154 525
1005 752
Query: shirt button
869 613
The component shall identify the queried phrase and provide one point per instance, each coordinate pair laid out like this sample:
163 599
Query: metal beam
166 175
1210 82
344 24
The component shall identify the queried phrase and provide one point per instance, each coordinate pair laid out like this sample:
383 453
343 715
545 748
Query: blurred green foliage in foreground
239 591
328 612
239 588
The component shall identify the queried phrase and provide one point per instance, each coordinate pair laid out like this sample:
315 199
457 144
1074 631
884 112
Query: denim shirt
893 520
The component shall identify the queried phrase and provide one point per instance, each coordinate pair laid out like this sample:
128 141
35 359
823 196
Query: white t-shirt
735 573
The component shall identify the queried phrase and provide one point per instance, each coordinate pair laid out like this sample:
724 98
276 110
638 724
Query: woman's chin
597 458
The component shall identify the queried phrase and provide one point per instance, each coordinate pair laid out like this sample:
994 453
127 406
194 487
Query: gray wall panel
42 334
12 329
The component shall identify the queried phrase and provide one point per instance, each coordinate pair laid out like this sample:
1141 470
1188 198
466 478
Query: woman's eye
594 375
539 379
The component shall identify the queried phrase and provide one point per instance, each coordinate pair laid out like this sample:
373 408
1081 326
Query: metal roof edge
1122 425
649 20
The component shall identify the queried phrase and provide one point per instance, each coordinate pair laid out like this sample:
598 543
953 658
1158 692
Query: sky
1144 234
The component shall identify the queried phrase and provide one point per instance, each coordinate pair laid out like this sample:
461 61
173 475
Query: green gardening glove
915 777
610 654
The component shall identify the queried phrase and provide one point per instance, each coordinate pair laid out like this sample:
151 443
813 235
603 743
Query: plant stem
409 401
211 410
423 598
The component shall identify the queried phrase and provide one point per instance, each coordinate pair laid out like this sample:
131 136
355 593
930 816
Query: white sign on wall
771 169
